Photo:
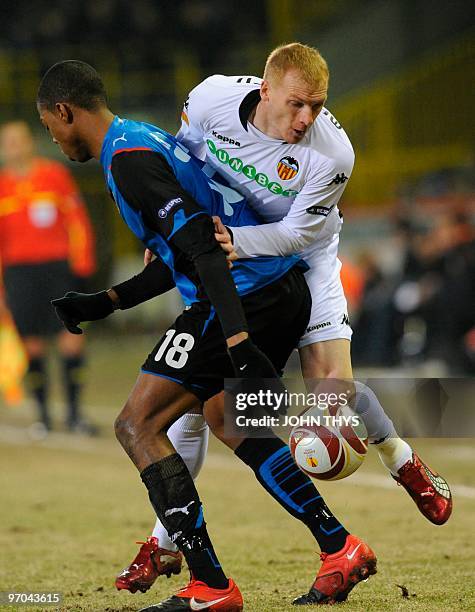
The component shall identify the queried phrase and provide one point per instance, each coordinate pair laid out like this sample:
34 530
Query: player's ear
265 90
64 112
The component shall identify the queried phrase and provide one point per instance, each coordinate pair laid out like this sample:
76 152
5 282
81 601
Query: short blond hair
295 56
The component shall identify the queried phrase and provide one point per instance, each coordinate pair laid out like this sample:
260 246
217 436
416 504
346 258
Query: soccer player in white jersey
275 141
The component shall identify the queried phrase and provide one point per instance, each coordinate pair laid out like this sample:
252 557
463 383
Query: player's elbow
298 241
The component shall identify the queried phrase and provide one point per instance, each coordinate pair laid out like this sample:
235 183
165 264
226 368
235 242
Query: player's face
292 105
60 124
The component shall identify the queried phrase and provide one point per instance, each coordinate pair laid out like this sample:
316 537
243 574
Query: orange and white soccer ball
329 452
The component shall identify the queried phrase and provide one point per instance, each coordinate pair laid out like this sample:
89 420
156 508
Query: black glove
250 362
74 308
252 365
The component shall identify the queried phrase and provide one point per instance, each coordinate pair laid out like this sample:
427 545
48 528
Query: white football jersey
295 188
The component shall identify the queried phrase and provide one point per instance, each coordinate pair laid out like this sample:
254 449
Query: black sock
175 499
275 469
72 370
37 381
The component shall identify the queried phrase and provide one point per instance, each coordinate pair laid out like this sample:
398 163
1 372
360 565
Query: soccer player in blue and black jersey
167 200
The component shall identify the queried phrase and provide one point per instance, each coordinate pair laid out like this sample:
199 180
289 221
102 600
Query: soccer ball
329 452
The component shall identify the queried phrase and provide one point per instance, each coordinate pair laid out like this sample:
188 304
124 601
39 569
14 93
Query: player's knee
127 425
335 372
124 428
133 425
323 360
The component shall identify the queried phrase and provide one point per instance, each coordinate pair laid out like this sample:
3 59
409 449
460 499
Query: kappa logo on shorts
287 168
163 212
318 326
345 320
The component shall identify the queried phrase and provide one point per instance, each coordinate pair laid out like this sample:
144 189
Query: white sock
189 435
378 425
394 453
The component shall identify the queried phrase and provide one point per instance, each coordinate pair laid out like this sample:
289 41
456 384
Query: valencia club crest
287 168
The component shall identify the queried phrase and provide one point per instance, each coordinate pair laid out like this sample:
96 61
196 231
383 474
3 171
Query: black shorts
29 288
193 350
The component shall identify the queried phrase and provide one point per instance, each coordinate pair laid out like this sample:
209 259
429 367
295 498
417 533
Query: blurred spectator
376 333
428 312
446 289
46 249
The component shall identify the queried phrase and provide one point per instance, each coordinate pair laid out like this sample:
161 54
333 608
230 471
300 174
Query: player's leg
158 555
272 463
330 359
175 381
154 403
325 354
286 308
189 436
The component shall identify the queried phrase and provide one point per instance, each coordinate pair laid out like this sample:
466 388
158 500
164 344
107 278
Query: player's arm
303 223
154 280
149 185
74 308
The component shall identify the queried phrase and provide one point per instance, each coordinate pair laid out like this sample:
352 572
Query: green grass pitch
72 508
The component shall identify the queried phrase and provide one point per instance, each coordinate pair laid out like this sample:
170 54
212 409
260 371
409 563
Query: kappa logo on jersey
287 168
345 320
226 139
338 180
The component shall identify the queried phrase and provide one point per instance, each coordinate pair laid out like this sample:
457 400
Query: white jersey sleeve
306 217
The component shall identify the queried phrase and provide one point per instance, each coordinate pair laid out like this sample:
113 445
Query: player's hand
223 236
74 308
147 257
251 364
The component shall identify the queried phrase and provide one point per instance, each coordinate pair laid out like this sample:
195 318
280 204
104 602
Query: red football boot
340 572
199 596
150 563
428 489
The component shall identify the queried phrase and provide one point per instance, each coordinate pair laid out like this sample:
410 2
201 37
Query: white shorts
329 316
